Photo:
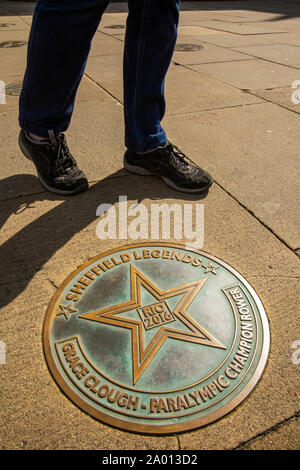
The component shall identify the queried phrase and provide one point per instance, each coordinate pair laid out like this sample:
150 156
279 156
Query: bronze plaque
156 338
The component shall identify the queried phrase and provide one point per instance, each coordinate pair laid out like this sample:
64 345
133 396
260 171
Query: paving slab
231 40
208 53
287 97
27 18
241 28
106 45
17 8
287 24
113 23
248 16
108 72
191 18
284 437
192 30
9 34
268 24
280 53
13 59
291 38
12 23
250 74
239 146
250 13
202 92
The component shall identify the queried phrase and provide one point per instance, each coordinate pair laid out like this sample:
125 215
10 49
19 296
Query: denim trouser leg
150 40
58 48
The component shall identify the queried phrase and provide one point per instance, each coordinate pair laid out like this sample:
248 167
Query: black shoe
172 166
56 168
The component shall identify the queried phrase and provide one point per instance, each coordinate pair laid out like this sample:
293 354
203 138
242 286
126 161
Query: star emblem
210 268
143 354
66 310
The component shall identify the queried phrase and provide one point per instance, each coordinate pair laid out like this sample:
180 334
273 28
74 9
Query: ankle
35 137
152 149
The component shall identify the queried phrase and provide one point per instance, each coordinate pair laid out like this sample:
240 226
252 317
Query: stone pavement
230 108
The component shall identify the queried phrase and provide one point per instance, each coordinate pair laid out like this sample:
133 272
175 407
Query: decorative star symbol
210 268
142 355
66 310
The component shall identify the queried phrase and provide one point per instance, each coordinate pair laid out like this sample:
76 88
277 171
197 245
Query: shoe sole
43 183
142 171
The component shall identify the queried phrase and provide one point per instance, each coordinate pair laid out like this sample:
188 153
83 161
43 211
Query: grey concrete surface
229 108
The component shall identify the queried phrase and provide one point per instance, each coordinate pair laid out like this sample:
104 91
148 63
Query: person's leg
150 40
151 35
58 48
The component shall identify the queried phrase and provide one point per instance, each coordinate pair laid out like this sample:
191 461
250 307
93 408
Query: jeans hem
38 130
148 143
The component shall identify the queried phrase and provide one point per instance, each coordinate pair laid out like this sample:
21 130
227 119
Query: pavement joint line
221 187
265 59
213 78
178 442
244 207
102 87
257 218
267 89
110 35
252 92
218 61
272 277
206 41
178 113
237 34
273 428
224 82
52 283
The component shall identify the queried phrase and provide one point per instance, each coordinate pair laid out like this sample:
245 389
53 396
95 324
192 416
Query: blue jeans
58 48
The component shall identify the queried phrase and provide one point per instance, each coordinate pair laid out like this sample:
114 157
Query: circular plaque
156 338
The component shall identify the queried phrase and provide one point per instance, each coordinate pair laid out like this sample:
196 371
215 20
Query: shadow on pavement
288 9
26 252
285 9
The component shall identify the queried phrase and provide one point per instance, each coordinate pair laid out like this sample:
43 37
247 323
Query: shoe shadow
25 253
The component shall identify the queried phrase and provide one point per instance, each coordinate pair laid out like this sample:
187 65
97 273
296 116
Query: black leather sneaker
172 166
56 167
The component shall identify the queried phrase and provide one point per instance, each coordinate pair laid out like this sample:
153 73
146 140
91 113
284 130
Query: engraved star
142 355
66 310
210 268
